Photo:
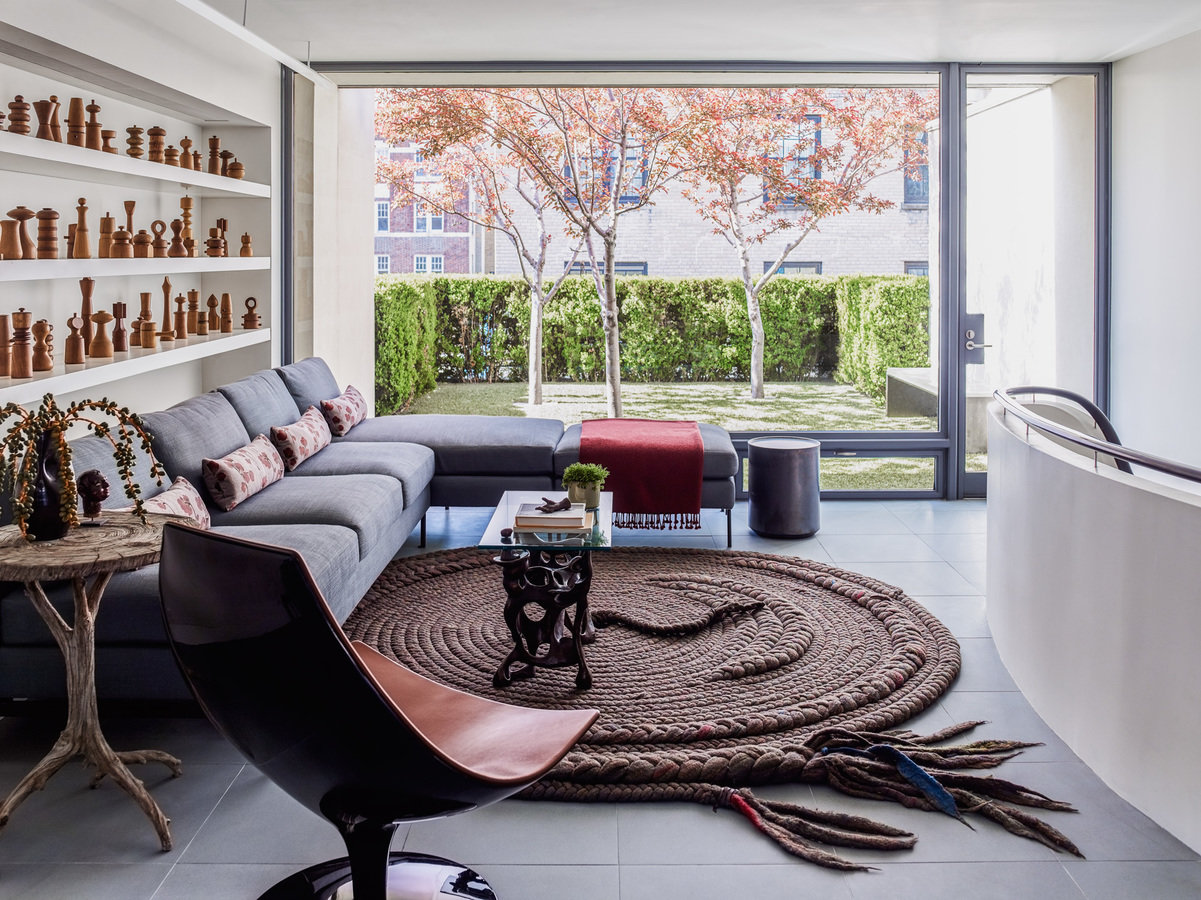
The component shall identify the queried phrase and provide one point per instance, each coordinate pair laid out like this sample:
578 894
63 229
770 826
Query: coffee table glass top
597 539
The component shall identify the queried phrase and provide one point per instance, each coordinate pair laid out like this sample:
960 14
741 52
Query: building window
426 219
427 264
795 267
619 268
383 264
918 267
636 174
917 190
797 150
383 216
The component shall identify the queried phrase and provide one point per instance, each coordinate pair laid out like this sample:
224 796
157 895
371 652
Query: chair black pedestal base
411 876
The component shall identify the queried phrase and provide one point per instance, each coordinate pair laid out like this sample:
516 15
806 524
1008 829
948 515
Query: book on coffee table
576 517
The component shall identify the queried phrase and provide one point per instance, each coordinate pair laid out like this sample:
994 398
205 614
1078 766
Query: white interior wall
1156 315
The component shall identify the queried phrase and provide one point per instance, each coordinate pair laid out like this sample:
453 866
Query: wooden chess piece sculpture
251 319
101 346
157 137
213 244
141 244
171 156
149 339
5 342
185 153
201 325
197 160
43 348
236 169
109 137
214 319
23 214
226 156
56 130
10 239
134 141
177 249
167 333
135 336
70 241
74 355
76 126
86 286
227 314
246 250
214 155
81 247
47 233
18 116
43 109
181 319
189 242
120 335
193 311
92 138
122 246
129 208
104 249
161 244
22 351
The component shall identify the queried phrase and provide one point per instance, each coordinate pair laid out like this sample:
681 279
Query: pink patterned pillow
300 440
345 411
243 473
181 499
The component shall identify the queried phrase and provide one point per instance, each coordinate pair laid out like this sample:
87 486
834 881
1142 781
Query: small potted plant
36 464
584 482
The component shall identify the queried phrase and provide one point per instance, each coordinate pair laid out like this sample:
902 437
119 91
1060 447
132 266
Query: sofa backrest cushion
261 401
92 452
309 382
199 427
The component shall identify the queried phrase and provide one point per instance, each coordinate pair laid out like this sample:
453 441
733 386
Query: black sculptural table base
547 612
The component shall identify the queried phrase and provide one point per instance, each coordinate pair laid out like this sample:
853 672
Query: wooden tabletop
121 543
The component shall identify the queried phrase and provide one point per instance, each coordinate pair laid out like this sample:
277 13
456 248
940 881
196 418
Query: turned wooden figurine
194 311
129 207
10 239
104 249
70 254
134 141
29 249
226 156
181 319
101 346
22 351
246 250
185 153
73 355
43 346
120 335
56 130
214 319
167 333
135 330
161 244
197 159
213 244
171 156
5 342
227 314
251 319
109 137
149 339
214 155
177 248
86 286
141 244
81 246
122 246
92 139
47 233
44 109
76 126
185 214
236 169
157 137
18 115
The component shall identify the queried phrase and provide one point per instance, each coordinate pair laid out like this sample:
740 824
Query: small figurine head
93 489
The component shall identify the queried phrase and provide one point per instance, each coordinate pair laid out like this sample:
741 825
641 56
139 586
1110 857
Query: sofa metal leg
422 544
729 529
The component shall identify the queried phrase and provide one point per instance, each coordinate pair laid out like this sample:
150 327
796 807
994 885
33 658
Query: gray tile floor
236 834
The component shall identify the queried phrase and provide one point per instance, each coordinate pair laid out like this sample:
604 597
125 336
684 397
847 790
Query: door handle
972 345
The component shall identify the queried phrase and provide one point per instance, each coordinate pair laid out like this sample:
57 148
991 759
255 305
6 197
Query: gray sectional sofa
348 510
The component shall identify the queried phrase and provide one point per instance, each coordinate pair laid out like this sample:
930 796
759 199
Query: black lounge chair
348 732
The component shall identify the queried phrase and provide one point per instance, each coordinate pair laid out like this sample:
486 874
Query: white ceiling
673 30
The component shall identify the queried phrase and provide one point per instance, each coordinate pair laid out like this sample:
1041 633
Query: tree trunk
612 336
535 351
756 320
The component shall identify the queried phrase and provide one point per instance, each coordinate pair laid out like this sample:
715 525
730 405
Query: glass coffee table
546 579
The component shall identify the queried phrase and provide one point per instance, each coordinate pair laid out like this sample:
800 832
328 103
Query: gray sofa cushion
199 427
365 503
410 464
471 445
261 400
721 460
309 382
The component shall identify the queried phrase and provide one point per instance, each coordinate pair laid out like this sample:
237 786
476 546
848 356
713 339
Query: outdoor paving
236 834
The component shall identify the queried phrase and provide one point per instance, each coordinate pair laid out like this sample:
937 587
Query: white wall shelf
47 269
136 361
27 154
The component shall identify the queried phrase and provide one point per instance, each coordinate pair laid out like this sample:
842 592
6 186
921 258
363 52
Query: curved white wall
1094 601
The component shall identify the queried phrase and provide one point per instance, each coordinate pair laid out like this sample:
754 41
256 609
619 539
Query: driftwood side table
122 543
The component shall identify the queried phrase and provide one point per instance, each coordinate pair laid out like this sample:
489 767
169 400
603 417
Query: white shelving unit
48 269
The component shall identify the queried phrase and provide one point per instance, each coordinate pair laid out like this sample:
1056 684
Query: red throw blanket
654 468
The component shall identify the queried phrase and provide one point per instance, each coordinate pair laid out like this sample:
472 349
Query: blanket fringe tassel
657 521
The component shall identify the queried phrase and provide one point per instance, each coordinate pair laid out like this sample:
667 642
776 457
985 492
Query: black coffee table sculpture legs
547 612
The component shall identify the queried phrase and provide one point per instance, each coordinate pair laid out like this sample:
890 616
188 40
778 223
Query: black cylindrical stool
785 487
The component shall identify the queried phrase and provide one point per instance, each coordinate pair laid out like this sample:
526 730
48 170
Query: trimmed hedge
686 329
404 342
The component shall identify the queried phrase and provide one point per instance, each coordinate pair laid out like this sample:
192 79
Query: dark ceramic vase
45 521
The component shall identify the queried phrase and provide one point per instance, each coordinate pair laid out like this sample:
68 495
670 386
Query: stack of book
530 518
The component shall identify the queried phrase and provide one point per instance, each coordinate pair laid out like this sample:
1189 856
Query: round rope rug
712 670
